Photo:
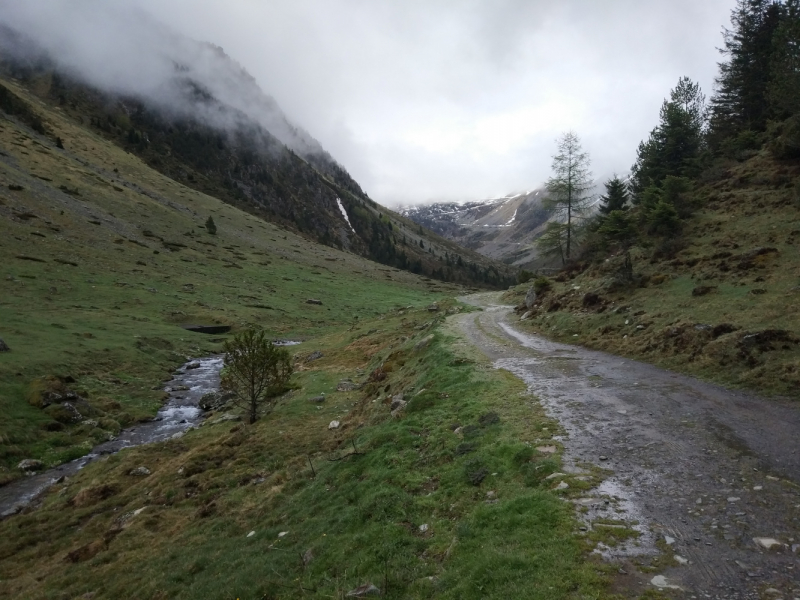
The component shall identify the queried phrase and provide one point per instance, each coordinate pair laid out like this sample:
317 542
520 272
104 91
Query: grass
121 261
742 244
354 519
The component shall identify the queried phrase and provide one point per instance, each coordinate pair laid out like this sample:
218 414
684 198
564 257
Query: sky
424 100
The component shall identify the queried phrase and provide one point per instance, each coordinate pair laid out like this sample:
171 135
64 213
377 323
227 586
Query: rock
555 475
702 290
139 472
680 560
491 494
316 355
767 543
283 534
4 347
193 365
423 528
318 399
669 540
226 418
30 464
424 342
660 582
346 386
546 449
733 499
433 307
590 299
364 590
530 298
526 316
314 301
334 425
251 534
308 556
603 457
213 401
397 402
772 591
562 486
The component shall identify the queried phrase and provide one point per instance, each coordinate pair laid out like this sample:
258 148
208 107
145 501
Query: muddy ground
708 477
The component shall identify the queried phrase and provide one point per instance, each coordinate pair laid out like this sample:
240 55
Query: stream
189 384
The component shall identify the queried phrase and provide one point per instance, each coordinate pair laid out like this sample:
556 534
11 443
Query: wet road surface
707 475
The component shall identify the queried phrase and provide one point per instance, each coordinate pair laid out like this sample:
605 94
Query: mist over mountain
124 51
194 114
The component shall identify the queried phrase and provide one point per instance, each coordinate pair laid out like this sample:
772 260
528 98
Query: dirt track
701 472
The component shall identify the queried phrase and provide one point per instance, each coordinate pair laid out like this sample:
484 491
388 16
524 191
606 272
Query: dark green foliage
524 276
618 230
741 99
663 219
783 91
13 105
59 143
475 471
675 146
616 196
211 227
553 241
541 284
256 371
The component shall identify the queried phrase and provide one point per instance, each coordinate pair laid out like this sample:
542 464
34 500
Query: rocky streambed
189 384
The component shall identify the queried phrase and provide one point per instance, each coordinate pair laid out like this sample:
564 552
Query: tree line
756 103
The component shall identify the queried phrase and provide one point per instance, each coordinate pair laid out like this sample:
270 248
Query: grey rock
213 401
424 342
334 425
139 472
226 418
530 298
316 355
30 464
308 556
318 399
526 316
346 386
397 402
364 590
193 365
433 307
4 347
314 301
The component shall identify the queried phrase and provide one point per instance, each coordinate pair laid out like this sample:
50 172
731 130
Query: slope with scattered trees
693 262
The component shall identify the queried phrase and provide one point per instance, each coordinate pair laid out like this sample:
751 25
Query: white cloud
457 99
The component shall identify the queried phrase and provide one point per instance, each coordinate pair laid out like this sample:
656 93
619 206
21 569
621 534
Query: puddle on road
612 499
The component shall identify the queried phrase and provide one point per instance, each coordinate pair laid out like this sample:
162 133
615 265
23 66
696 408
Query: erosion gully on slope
707 475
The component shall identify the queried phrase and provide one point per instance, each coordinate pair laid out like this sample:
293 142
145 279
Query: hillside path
708 475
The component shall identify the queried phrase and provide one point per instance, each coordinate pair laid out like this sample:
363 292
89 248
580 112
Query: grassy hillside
104 258
247 167
720 301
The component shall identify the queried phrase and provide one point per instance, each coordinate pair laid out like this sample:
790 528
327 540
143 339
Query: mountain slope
503 229
719 300
208 143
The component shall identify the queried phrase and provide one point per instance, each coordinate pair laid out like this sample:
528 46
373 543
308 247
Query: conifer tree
741 100
616 196
569 188
211 227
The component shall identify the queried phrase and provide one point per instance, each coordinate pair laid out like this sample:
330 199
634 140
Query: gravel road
708 476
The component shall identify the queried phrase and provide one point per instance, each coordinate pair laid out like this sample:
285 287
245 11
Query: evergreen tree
568 189
553 241
619 232
211 227
676 144
783 92
741 100
616 196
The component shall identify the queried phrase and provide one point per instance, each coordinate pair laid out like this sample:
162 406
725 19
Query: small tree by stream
256 372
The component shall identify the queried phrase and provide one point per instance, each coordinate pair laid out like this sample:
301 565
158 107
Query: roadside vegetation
692 263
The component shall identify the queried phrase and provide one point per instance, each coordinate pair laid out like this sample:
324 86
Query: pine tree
783 92
676 144
741 100
211 227
569 188
616 196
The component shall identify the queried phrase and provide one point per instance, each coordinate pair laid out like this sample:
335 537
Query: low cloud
419 100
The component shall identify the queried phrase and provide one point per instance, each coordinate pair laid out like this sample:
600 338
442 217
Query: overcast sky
463 99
